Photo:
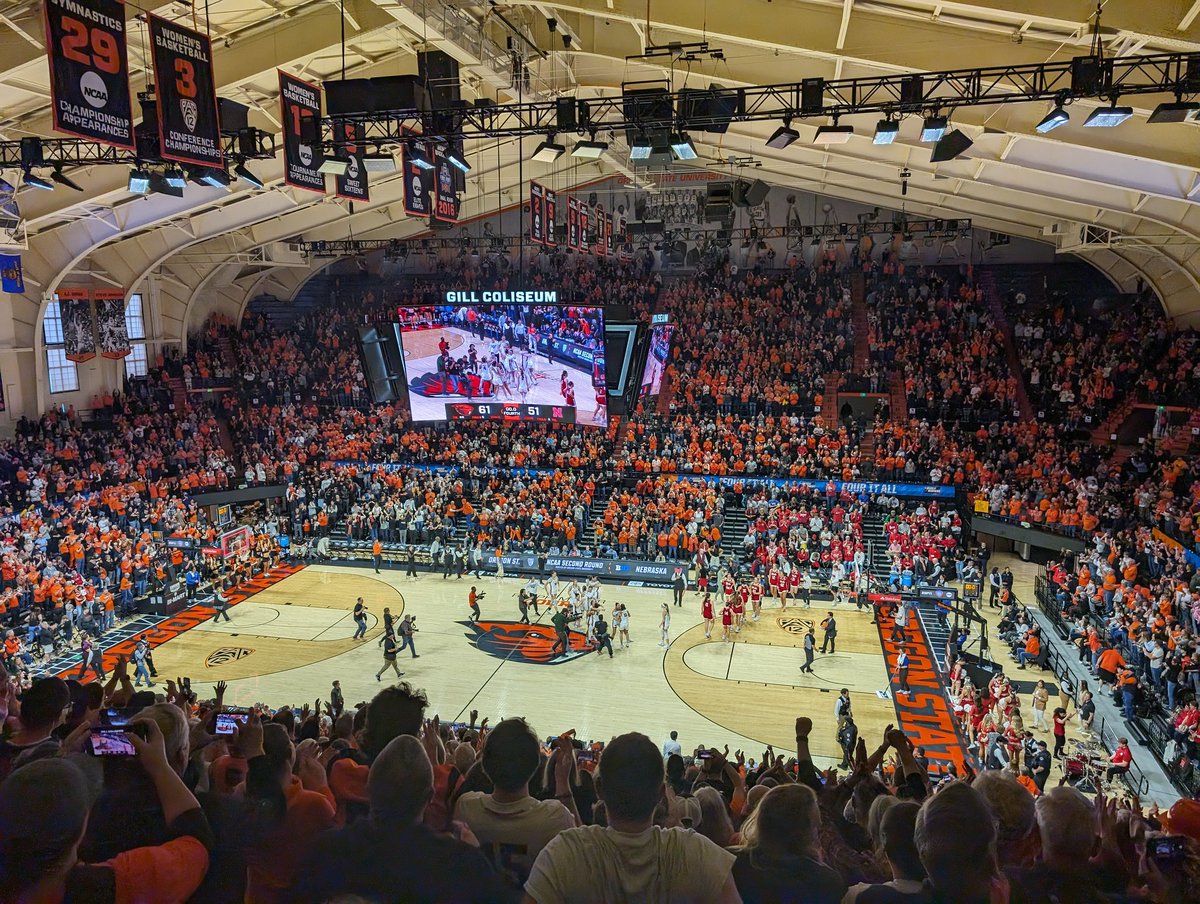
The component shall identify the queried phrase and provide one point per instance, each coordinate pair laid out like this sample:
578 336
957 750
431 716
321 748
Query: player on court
706 612
664 626
795 582
553 588
601 412
774 577
531 594
728 586
756 597
621 624
740 597
726 622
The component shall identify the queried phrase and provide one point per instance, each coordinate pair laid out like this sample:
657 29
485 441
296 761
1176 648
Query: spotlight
139 181
160 186
61 179
589 150
243 173
1052 120
215 178
682 147
548 151
784 135
379 163
334 166
949 146
419 159
933 128
833 134
640 149
1180 111
886 131
35 181
458 159
175 178
1108 117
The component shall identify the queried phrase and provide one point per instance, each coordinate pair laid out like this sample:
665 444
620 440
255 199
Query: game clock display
507 411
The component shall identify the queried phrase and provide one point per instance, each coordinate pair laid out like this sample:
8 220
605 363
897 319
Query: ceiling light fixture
139 181
62 179
457 158
334 166
1178 111
949 146
640 149
833 134
35 181
243 173
1052 120
215 178
682 147
933 128
548 151
589 150
784 135
1108 117
175 178
886 131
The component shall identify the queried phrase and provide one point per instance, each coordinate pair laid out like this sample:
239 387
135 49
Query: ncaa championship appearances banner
188 127
89 70
300 104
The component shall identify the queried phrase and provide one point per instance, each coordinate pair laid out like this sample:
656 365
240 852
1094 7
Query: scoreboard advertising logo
188 127
89 70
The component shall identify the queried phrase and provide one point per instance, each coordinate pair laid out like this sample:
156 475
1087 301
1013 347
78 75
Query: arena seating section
982 380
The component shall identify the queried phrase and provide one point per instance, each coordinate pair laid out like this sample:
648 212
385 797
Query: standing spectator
671 746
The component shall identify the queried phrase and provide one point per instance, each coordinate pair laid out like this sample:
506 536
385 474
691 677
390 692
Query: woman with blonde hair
781 852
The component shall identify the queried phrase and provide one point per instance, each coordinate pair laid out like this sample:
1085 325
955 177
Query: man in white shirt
511 826
631 859
672 745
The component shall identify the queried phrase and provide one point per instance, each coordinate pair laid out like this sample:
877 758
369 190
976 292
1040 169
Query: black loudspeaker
718 202
950 146
389 93
651 109
812 95
912 90
439 72
1087 74
645 227
710 109
757 193
232 116
566 114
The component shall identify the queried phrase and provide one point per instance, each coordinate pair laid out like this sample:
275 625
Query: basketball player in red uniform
741 596
727 587
756 596
773 580
706 612
785 583
726 621
794 582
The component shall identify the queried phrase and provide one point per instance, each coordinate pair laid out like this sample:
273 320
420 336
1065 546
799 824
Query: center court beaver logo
523 643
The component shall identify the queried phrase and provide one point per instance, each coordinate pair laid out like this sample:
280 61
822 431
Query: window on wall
63 374
135 326
135 361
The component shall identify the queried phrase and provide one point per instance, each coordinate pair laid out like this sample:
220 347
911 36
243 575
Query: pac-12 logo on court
524 643
796 625
226 655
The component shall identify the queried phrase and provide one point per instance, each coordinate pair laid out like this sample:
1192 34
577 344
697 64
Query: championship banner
353 185
89 70
188 127
536 213
446 198
300 106
585 238
573 223
110 323
608 234
78 329
551 207
12 277
418 181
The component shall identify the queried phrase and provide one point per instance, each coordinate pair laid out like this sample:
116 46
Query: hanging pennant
551 206
536 214
78 326
189 130
352 185
110 323
300 106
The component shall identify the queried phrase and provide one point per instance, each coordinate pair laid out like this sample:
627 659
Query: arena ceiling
1141 181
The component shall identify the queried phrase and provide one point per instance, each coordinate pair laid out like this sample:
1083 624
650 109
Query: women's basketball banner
536 213
78 327
188 126
89 70
551 207
300 106
418 180
573 223
110 323
352 185
585 235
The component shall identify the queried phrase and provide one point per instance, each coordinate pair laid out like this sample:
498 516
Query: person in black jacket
362 859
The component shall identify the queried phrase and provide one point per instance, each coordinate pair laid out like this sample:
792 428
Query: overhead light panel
682 147
139 181
379 163
589 150
548 151
175 178
640 149
458 159
61 179
35 181
160 186
949 146
215 178
1179 111
783 136
1052 120
933 128
886 131
419 160
1108 117
833 134
243 172
334 166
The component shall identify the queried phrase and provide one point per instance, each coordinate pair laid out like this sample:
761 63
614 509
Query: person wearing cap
44 812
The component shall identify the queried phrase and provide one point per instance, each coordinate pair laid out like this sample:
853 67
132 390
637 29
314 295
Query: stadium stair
897 397
873 536
996 306
733 533
318 291
829 412
858 301
1180 440
178 392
